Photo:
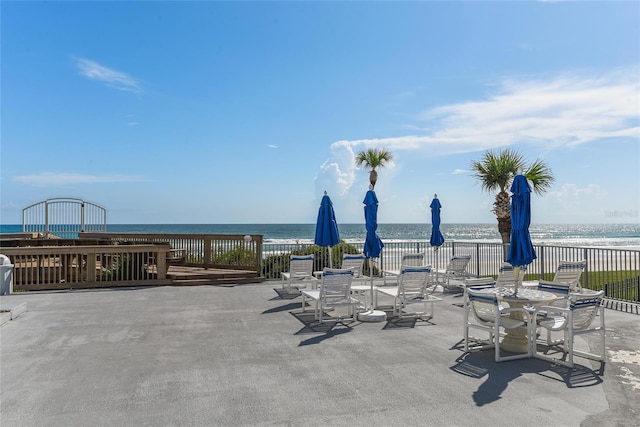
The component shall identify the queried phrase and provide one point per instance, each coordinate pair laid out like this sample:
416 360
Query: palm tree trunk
504 227
373 178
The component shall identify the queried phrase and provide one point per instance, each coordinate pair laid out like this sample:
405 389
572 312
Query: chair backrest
477 283
301 266
412 259
353 262
506 275
570 272
559 289
336 284
413 281
483 305
584 308
458 264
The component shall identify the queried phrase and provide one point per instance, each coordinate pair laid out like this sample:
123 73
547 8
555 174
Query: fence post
161 263
542 263
208 259
91 266
585 276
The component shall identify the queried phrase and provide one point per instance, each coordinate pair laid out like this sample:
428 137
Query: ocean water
605 235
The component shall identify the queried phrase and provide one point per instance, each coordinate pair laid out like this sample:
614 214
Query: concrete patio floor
244 356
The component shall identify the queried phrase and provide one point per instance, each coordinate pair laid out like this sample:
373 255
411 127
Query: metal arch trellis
64 217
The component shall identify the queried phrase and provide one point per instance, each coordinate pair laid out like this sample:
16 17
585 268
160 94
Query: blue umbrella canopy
521 250
372 243
437 239
326 227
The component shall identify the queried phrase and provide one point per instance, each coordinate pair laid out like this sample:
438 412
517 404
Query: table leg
516 340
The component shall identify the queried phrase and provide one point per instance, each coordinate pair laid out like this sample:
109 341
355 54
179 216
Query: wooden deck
191 276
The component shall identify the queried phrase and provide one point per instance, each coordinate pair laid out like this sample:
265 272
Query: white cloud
337 173
272 146
564 110
113 78
458 172
576 201
45 179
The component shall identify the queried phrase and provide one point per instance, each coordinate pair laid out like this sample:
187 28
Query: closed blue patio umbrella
437 239
372 249
326 227
372 243
521 251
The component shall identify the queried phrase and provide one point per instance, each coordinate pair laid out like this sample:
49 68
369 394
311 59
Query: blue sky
245 112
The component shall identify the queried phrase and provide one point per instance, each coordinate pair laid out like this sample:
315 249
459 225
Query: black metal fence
614 270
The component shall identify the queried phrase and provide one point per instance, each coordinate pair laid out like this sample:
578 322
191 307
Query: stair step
217 281
188 276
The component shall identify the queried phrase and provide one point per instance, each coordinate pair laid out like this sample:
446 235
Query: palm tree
496 171
371 159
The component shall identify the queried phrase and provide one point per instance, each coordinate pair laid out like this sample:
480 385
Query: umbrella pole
371 283
516 273
372 315
330 258
435 261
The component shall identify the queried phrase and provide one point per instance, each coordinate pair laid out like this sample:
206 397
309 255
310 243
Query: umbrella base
372 316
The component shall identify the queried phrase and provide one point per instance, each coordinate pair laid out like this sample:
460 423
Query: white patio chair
412 259
477 283
334 292
568 272
414 285
457 270
560 290
579 318
486 314
507 277
300 273
354 262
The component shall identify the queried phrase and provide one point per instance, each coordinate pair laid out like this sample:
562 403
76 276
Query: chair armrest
549 309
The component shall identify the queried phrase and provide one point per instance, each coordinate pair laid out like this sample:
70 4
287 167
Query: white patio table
516 340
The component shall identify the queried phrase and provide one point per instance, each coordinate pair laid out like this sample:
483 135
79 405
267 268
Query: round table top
524 295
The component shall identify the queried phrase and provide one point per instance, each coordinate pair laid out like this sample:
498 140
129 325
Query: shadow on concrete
481 364
283 294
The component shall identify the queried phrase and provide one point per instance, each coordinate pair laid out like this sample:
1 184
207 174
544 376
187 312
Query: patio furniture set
557 307
348 286
521 321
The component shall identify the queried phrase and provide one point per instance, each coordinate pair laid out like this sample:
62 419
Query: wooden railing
224 251
91 266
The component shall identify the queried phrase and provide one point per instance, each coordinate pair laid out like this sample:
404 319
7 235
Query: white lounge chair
457 270
413 288
334 292
579 318
300 273
568 272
